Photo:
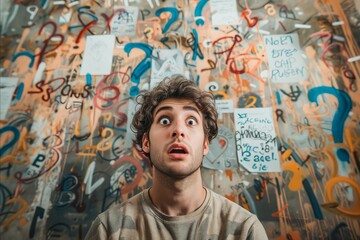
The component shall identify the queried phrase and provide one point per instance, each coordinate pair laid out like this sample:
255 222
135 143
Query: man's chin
176 174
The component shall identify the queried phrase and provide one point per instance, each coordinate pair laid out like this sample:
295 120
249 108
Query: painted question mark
199 19
27 54
16 135
142 67
174 16
32 9
340 116
22 210
299 175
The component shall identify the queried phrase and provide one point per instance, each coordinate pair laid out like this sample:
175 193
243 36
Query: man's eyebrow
189 108
163 108
192 108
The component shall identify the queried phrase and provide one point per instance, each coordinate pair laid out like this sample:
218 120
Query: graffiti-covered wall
285 75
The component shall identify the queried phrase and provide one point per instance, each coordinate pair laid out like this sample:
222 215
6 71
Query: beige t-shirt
138 218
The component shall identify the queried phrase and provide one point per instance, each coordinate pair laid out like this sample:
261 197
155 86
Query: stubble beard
172 173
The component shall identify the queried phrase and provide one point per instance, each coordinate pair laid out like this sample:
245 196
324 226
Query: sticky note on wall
124 21
7 88
284 57
255 137
98 55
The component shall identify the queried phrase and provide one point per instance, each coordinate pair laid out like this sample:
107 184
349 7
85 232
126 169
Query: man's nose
178 130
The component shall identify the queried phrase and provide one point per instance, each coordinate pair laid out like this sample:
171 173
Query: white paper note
124 21
98 55
224 12
165 63
7 88
285 61
256 143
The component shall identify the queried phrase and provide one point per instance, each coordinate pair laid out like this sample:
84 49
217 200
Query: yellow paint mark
348 139
230 197
23 208
286 154
299 175
352 211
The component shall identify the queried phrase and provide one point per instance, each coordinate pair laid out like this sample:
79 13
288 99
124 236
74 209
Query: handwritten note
224 12
256 143
98 55
284 57
124 22
7 88
165 63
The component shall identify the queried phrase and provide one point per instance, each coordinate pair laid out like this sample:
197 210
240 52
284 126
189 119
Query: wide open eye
164 121
191 121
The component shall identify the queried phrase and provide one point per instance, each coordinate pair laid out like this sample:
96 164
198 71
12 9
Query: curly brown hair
175 87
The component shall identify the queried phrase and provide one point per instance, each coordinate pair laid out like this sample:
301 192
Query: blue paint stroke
249 199
198 12
43 3
19 91
28 54
174 16
88 79
13 141
134 91
340 116
313 201
278 97
197 81
142 67
80 11
196 46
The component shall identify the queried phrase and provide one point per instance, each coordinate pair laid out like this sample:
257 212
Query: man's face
176 140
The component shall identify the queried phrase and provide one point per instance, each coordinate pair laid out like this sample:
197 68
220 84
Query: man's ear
206 146
145 143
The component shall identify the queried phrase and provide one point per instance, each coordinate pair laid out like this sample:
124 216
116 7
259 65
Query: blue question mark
27 54
142 67
199 20
16 135
174 16
344 107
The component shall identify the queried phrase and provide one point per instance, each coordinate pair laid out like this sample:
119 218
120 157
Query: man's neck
176 197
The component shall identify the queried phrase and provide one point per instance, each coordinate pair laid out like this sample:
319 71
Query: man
174 126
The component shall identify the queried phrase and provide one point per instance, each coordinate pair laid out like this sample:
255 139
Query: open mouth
178 149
